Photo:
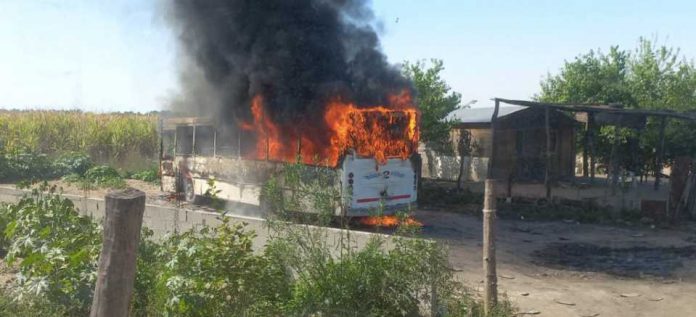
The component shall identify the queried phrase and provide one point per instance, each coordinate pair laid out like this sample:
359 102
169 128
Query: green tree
648 77
436 101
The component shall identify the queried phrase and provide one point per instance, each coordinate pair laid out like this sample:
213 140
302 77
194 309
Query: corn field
108 137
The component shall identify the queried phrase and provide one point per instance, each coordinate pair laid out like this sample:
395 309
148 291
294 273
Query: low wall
163 219
446 167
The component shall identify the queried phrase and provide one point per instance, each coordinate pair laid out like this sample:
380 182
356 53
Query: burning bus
368 152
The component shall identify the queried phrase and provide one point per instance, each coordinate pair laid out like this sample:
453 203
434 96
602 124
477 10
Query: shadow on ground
634 262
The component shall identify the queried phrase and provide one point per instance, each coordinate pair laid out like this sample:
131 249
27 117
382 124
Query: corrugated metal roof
483 114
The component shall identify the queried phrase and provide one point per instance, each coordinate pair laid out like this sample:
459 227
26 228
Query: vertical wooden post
615 154
494 127
490 298
585 148
590 129
547 176
116 273
660 152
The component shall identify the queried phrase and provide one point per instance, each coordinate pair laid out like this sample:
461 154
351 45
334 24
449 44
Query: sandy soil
570 269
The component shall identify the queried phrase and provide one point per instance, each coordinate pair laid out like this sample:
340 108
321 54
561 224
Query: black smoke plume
295 53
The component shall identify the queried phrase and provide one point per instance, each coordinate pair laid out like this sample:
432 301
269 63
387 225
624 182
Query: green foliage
150 175
213 271
298 190
33 306
148 267
212 194
58 250
436 101
650 77
26 166
73 163
100 176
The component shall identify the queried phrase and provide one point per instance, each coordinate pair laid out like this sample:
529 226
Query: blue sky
119 55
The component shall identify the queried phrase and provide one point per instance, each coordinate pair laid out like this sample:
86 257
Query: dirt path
570 269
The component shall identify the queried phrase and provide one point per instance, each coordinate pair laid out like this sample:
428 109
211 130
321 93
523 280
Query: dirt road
569 269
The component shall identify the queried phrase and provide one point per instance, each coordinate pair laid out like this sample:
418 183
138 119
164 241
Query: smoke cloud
297 54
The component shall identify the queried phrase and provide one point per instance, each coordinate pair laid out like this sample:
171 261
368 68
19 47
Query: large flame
378 132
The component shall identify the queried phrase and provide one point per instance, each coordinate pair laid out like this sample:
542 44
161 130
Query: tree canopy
436 101
648 77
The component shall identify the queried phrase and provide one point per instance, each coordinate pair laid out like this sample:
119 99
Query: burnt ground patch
631 262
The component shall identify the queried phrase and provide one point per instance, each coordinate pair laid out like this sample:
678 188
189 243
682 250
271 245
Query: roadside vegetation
212 271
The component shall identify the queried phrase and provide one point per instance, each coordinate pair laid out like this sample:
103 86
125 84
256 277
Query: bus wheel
189 193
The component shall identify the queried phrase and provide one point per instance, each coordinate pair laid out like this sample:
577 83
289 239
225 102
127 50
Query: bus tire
188 190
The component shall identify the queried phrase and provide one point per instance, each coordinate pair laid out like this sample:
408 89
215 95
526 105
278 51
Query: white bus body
366 187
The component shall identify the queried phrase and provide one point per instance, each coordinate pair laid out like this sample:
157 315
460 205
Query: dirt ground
570 269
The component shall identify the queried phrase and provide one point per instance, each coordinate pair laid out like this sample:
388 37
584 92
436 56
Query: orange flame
380 132
389 221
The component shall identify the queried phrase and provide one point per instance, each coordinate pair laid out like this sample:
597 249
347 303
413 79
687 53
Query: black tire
188 190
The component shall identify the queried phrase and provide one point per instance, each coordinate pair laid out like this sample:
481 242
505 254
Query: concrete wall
165 219
446 167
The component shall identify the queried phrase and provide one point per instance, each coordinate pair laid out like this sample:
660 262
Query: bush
150 175
101 176
213 271
58 250
27 166
73 163
30 307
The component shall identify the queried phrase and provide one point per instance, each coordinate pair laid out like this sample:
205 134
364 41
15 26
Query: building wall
447 167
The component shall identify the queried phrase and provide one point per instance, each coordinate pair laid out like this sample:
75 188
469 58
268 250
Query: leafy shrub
27 166
101 176
73 163
58 247
213 271
32 306
150 175
148 267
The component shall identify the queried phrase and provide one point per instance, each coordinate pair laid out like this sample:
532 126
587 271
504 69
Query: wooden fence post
489 264
116 273
490 298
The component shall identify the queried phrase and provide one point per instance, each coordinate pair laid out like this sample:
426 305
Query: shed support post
490 298
547 176
117 262
660 153
585 149
590 129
